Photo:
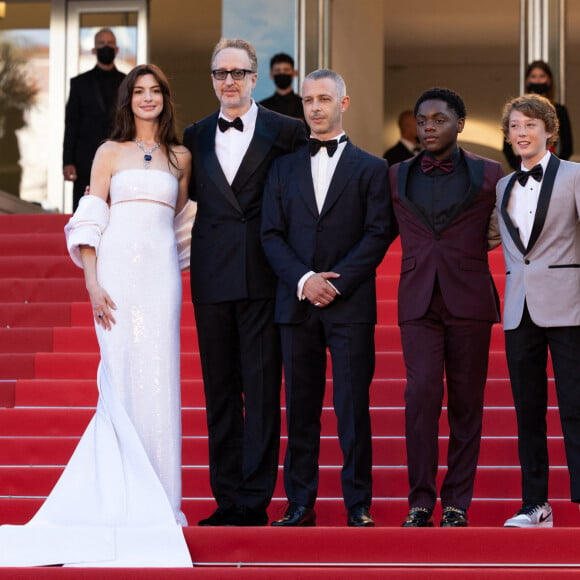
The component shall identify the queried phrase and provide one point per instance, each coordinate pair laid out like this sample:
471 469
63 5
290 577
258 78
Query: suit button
437 237
243 220
526 261
319 229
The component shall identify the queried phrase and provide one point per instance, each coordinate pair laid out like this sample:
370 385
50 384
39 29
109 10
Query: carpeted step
25 340
387 482
7 393
33 223
34 314
16 365
84 365
331 512
33 244
42 290
37 267
387 421
383 545
83 392
83 339
387 451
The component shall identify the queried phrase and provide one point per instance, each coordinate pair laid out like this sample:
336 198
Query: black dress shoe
359 517
246 516
419 517
223 516
454 518
297 515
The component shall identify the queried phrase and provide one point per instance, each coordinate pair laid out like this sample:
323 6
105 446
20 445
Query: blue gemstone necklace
147 152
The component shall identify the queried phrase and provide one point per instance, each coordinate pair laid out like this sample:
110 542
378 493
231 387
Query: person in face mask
540 81
89 112
284 100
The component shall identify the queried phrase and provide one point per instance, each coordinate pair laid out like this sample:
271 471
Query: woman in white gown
118 500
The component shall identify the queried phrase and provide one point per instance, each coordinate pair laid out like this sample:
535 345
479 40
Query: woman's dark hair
124 125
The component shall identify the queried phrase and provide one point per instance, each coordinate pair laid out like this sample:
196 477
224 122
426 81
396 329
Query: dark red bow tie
428 164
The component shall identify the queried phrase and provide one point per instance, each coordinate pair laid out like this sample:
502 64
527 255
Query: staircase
48 362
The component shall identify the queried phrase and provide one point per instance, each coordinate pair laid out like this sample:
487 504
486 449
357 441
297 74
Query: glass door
81 20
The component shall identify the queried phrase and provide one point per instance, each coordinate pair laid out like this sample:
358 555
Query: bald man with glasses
233 286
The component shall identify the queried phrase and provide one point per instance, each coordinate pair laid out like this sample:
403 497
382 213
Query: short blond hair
535 107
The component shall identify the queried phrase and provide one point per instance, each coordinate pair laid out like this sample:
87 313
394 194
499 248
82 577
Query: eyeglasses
237 74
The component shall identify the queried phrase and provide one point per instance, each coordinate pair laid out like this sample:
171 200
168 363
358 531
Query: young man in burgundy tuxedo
443 201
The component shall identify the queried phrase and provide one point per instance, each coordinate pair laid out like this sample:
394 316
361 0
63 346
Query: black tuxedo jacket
227 260
350 236
87 120
397 153
456 256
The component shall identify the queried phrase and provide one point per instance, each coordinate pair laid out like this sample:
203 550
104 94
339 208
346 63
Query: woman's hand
103 306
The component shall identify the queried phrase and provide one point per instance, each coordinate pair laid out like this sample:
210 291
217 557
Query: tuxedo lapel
265 133
541 209
511 228
303 177
476 169
344 169
402 182
212 164
544 200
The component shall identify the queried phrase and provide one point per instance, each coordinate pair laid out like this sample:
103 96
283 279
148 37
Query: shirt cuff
301 283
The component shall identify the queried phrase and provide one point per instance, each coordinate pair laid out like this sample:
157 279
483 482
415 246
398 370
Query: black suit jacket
227 260
87 120
397 153
350 236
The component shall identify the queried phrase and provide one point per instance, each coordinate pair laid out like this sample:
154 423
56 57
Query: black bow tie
224 124
536 172
331 146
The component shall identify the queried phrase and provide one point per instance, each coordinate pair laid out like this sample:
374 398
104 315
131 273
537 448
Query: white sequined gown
118 500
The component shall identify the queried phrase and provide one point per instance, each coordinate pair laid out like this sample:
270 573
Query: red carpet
48 359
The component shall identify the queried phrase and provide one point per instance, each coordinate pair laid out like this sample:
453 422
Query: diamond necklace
147 152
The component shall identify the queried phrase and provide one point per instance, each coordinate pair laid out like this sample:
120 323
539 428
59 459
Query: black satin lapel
212 164
264 136
476 170
513 231
402 182
344 169
544 200
303 177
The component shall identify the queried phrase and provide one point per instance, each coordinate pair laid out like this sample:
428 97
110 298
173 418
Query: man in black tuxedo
326 226
408 145
89 112
233 286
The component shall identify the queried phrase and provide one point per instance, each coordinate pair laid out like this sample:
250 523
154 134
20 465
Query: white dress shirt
322 167
523 202
231 145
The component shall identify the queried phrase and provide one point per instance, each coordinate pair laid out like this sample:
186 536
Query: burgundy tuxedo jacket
456 256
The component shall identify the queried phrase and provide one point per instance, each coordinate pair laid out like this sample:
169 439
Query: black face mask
282 81
106 54
537 88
